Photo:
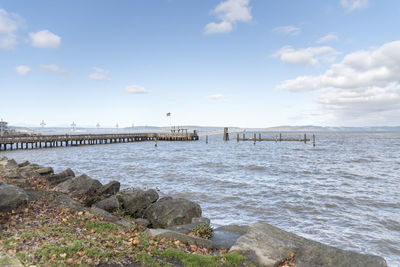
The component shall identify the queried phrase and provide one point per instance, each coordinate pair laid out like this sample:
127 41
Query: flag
169 114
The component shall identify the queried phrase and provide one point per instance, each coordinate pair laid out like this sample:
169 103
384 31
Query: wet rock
135 202
110 204
225 237
66 202
58 178
267 245
79 186
109 189
12 197
172 212
172 235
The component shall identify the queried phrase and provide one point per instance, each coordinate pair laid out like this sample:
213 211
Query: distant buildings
3 127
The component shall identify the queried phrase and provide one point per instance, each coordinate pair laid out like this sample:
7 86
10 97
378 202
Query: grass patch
101 227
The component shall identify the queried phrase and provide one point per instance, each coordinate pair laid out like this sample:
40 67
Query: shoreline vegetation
49 219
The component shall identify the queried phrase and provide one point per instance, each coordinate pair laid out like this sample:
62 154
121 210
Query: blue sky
248 63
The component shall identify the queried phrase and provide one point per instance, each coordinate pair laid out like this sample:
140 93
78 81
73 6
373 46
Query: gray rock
11 197
109 189
10 163
58 178
79 186
30 171
111 218
172 212
103 213
187 228
24 163
267 245
142 222
45 171
66 202
225 237
190 240
135 202
10 173
110 204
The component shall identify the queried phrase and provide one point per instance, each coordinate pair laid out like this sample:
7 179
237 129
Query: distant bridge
45 141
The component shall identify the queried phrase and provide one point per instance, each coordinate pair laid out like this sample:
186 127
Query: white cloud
351 5
52 67
216 97
100 74
229 13
9 24
328 38
22 69
288 30
45 39
365 84
136 89
306 56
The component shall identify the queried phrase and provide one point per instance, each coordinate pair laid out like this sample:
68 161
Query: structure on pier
3 127
44 141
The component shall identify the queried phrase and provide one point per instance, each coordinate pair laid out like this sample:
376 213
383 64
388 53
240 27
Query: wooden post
259 137
206 139
244 136
280 137
255 138
238 138
155 139
226 134
305 139
276 138
313 139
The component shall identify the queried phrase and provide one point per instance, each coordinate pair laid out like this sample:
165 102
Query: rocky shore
55 219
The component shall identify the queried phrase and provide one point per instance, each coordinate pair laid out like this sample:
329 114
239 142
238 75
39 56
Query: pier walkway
45 141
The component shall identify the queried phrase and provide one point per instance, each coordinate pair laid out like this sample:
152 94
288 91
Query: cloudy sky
248 63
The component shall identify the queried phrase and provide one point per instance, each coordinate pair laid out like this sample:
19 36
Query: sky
244 63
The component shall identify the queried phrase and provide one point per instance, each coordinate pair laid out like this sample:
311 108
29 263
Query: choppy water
344 192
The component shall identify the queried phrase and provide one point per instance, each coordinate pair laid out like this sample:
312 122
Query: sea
343 192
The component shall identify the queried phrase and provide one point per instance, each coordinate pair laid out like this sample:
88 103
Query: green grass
195 260
101 227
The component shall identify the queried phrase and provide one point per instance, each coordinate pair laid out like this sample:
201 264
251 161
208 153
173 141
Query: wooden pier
258 138
45 141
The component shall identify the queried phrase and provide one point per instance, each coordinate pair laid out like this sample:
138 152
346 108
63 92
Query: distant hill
204 130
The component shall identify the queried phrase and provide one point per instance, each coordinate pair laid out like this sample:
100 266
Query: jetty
46 141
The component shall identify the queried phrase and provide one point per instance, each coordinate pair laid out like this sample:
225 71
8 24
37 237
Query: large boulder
30 171
64 201
266 245
8 163
80 186
135 202
109 189
11 197
169 212
110 204
225 237
10 173
60 177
